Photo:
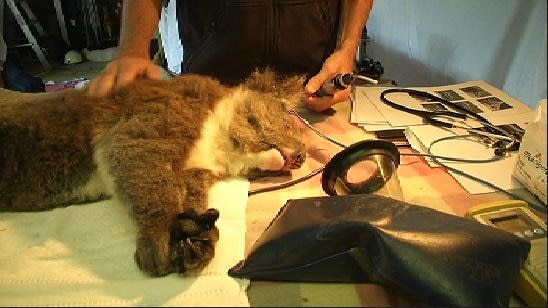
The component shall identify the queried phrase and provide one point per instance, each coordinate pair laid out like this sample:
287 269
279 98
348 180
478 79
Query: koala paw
193 240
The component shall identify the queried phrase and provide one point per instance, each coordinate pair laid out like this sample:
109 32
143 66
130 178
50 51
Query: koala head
262 121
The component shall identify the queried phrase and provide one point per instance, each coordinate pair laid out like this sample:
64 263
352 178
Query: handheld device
516 217
341 82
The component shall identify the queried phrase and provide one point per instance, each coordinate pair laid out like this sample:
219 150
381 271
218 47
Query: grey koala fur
157 146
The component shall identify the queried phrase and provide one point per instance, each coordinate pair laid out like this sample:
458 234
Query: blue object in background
17 80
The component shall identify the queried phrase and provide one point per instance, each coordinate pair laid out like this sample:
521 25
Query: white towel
82 255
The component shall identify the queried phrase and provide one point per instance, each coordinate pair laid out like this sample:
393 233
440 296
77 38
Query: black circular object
339 165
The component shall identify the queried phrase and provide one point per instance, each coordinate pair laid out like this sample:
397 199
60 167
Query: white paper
375 127
363 110
498 172
478 95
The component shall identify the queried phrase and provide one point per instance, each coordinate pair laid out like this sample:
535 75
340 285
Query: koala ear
293 104
289 89
267 81
253 122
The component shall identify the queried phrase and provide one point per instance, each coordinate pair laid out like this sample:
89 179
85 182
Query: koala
157 147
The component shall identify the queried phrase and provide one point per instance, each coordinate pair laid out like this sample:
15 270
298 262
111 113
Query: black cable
483 182
286 184
461 113
454 159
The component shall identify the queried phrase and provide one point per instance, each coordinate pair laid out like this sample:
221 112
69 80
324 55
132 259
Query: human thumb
315 83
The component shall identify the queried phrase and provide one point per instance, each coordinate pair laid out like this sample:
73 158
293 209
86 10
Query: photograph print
450 95
494 103
475 91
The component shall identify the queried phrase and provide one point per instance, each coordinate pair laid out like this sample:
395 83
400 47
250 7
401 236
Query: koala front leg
195 235
177 231
144 175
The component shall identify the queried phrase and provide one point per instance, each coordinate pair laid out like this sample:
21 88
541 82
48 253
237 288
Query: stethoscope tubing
462 113
430 117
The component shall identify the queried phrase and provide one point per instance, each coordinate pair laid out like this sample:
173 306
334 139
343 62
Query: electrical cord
483 182
453 159
286 184
315 130
449 119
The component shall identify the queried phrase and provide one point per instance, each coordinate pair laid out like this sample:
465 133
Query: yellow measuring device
516 217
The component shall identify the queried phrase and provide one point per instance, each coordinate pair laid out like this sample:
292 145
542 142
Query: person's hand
120 72
340 62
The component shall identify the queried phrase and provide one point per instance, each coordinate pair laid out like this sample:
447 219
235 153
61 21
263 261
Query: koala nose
293 158
299 158
296 159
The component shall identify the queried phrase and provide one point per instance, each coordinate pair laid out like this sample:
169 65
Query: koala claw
193 240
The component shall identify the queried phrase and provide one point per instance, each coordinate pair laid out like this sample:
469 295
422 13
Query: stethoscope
505 142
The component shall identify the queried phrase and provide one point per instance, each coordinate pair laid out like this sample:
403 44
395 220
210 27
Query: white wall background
438 42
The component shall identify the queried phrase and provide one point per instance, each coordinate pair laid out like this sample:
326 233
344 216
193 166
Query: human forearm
139 22
354 16
343 60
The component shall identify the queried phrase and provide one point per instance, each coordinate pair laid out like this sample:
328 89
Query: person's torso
228 39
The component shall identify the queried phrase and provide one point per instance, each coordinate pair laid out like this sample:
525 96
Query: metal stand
61 21
33 43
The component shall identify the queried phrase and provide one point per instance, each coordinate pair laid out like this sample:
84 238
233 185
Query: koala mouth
292 159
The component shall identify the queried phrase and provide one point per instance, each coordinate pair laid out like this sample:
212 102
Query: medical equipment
341 82
365 167
333 182
514 216
504 141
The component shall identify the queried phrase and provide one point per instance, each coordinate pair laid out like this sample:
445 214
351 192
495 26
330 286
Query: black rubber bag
440 259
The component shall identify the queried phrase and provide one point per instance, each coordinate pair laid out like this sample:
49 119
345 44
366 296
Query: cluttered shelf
56 44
